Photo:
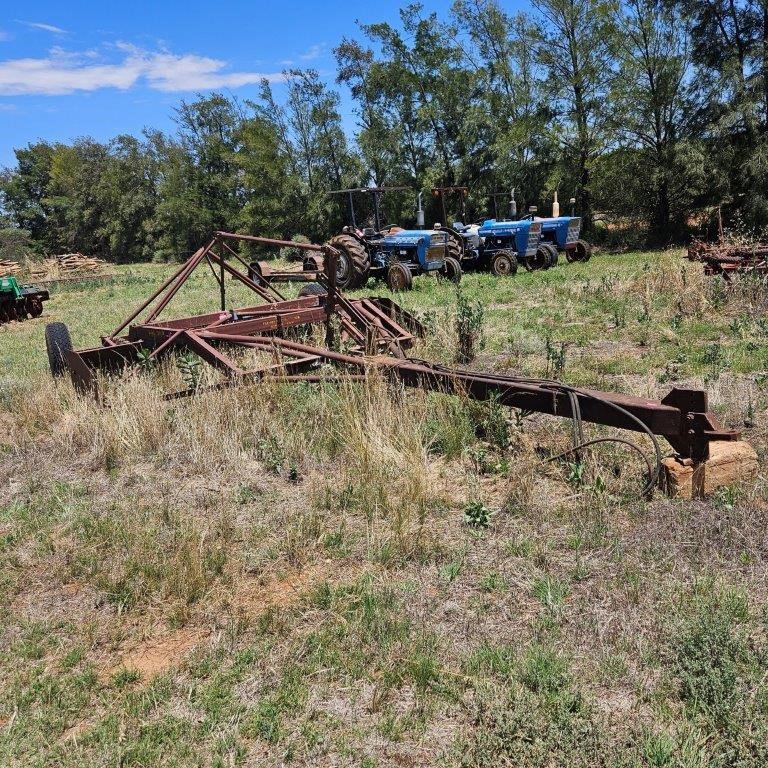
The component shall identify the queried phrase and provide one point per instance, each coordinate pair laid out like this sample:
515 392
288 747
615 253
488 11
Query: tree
576 44
421 76
269 188
729 40
652 102
25 189
127 193
199 185
378 134
312 140
509 115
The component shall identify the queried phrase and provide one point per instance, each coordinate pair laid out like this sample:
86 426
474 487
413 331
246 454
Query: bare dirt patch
164 650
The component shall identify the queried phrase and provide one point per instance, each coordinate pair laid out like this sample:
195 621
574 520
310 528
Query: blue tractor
390 252
562 233
500 246
497 245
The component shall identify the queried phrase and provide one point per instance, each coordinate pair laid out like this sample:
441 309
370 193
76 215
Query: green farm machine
18 302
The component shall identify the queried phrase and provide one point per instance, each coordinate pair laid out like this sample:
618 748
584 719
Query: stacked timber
67 265
723 258
9 268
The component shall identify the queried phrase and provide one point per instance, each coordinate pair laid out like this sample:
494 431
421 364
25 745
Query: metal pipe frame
375 334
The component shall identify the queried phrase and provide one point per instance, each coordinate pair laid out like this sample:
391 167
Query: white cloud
63 73
45 27
314 52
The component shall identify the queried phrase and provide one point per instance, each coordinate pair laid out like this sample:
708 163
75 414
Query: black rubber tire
57 343
583 250
570 255
543 256
34 306
504 264
455 247
312 289
539 260
358 260
452 270
399 278
553 254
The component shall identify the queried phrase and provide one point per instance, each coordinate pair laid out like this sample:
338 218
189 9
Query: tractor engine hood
493 227
411 237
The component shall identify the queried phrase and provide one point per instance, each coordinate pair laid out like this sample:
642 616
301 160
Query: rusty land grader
376 335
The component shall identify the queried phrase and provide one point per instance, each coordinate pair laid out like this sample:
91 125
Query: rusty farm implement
375 334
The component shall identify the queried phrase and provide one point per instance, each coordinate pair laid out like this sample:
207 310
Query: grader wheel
312 289
57 343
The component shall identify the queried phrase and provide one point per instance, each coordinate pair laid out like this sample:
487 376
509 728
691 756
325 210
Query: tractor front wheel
451 270
399 278
504 264
57 344
354 262
583 250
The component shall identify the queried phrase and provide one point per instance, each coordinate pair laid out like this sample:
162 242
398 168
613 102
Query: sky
104 68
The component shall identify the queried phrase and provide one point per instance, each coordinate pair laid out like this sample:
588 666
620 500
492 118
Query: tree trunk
765 62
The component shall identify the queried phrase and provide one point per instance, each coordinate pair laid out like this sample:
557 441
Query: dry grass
284 575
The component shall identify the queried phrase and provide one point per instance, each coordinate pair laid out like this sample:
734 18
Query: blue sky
104 68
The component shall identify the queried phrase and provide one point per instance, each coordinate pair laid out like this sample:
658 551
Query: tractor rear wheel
504 263
553 255
539 260
354 262
570 255
452 270
455 247
583 250
312 289
399 278
57 343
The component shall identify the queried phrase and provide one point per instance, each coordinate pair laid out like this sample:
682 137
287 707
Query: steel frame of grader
376 334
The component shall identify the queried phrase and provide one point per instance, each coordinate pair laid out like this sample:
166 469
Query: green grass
360 576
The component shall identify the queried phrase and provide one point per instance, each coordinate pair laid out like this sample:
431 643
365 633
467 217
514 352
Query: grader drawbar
376 335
